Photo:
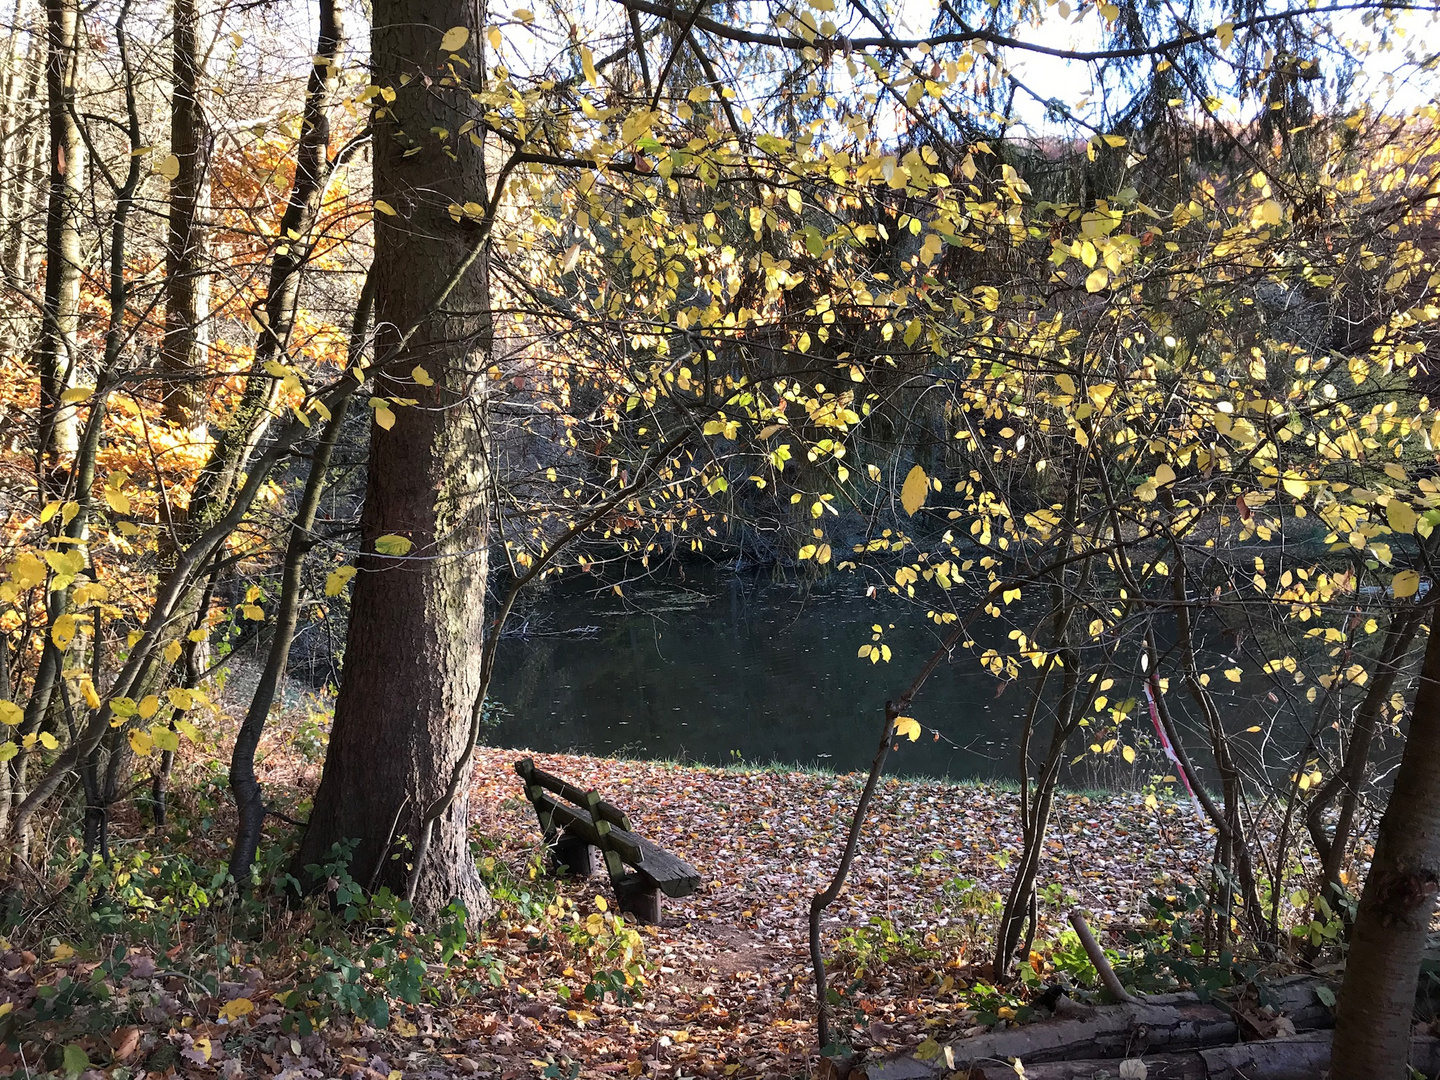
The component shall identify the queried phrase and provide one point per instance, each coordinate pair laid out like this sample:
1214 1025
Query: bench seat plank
670 874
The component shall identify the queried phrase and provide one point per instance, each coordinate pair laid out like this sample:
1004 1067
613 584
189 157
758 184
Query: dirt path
730 994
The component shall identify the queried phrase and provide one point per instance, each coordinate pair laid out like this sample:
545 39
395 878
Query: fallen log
1299 1057
1161 1023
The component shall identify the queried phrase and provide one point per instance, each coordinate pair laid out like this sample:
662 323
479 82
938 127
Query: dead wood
1159 1024
1300 1057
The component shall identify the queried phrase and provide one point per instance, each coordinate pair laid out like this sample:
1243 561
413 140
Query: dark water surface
742 667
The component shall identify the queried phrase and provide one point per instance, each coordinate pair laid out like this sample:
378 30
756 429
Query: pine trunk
1376 1006
413 648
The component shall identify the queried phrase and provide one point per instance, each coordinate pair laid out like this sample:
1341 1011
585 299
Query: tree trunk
60 322
1373 1019
414 645
187 287
244 784
242 430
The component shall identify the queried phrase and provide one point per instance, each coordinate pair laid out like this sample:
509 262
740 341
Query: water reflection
739 666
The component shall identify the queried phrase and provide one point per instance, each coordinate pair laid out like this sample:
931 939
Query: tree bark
1372 1034
58 352
415 635
187 287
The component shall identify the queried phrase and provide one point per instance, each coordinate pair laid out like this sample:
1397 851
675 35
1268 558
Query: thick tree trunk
187 287
1373 1021
414 645
60 323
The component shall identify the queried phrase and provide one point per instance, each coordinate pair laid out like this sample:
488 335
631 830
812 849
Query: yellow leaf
10 713
1225 32
77 393
391 544
335 583
63 632
1271 212
1097 280
1406 584
421 376
384 208
385 417
916 487
454 39
147 706
1401 516
168 167
907 726
587 64
1128 753
164 738
601 903
1233 674
928 1050
141 742
233 1010
1295 486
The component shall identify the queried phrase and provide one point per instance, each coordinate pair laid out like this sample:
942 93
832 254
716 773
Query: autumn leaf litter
727 988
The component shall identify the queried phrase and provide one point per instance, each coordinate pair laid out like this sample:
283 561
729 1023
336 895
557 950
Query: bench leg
646 905
574 857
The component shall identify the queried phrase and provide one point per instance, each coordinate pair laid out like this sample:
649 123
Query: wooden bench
576 833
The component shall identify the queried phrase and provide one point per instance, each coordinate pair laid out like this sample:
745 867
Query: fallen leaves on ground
727 986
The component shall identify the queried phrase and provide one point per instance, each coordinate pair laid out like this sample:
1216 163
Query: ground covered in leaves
554 986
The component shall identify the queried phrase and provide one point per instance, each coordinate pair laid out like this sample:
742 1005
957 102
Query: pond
737 667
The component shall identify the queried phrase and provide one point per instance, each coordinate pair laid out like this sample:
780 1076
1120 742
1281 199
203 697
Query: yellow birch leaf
916 487
1406 584
392 545
1401 516
63 632
455 39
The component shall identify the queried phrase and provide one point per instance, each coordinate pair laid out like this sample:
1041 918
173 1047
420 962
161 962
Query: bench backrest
599 809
